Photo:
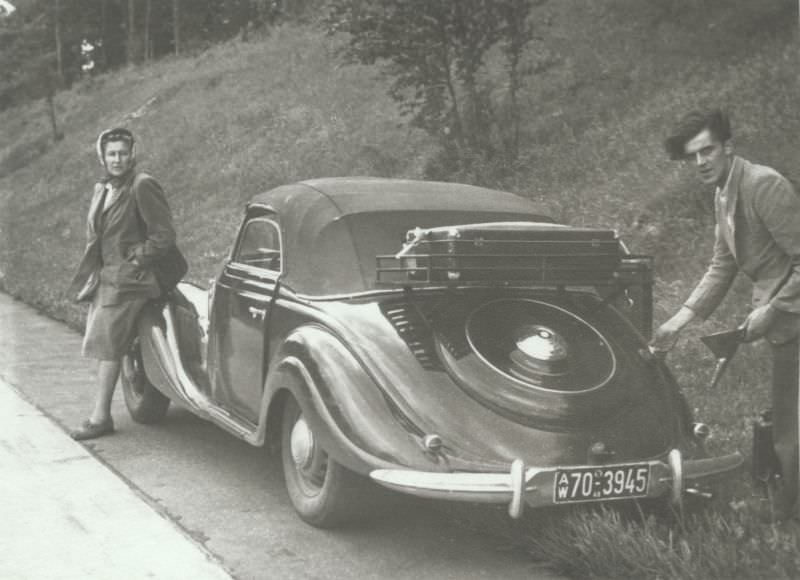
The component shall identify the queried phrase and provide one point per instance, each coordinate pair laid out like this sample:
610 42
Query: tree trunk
518 34
59 42
514 54
513 146
457 126
245 19
51 112
176 27
148 10
131 30
103 18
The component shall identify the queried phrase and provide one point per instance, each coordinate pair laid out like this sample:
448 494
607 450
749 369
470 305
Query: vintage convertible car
441 340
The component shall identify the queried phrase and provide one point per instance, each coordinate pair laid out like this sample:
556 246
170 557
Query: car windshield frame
236 257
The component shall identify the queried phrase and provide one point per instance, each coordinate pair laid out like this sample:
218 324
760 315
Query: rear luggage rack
504 254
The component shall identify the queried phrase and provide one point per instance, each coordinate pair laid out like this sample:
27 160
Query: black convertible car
438 339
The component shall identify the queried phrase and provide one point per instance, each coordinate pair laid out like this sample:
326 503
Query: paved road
230 497
66 516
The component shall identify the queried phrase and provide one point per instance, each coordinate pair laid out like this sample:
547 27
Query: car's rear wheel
324 493
145 403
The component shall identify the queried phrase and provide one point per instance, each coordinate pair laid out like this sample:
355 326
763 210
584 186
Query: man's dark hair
715 120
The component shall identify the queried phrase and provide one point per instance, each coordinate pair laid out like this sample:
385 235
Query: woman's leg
107 375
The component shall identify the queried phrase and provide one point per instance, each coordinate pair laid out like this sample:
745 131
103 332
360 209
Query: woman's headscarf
116 134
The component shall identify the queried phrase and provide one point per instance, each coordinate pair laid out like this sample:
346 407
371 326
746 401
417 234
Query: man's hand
758 322
665 337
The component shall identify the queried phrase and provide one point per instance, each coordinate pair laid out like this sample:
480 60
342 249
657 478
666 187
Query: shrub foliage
436 53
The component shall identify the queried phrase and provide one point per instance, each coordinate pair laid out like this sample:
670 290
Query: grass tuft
712 544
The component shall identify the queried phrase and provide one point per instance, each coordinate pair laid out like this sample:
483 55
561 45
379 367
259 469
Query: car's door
243 297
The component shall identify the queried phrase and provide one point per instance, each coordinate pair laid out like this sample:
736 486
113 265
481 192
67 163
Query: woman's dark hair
715 120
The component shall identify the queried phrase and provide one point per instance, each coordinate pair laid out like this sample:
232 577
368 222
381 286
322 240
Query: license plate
601 483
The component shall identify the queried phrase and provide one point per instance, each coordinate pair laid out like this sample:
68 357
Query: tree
176 25
17 45
517 33
49 82
58 39
29 63
122 31
436 52
130 46
148 18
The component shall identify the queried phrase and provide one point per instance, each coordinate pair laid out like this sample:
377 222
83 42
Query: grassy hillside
215 129
218 127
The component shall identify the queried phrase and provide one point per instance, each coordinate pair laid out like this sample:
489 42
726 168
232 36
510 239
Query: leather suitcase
515 252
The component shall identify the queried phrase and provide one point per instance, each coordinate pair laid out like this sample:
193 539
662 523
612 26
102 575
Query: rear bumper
536 486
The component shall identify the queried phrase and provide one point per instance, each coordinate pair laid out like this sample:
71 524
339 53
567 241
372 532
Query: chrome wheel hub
302 444
539 351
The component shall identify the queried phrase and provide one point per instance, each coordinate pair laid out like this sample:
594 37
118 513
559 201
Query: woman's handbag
170 269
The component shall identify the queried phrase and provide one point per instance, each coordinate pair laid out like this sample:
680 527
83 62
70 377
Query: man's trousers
785 376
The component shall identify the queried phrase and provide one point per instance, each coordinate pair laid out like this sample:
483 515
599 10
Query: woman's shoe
91 430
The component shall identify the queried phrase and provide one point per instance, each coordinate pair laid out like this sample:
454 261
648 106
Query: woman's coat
124 241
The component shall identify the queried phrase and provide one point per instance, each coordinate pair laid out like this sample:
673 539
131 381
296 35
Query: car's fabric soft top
333 228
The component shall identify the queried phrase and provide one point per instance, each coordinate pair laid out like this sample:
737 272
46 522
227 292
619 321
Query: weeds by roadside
727 539
724 543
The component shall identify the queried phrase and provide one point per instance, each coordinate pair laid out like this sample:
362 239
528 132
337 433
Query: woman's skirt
111 329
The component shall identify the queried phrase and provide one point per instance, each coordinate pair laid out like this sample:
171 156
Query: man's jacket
757 232
124 241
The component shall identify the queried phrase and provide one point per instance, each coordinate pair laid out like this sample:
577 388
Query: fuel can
765 462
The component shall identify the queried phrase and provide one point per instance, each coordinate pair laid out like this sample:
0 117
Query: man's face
117 158
711 156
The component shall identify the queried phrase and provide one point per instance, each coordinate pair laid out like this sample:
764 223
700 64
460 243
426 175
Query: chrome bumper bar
535 486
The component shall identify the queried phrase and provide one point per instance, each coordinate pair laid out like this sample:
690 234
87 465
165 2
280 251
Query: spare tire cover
541 363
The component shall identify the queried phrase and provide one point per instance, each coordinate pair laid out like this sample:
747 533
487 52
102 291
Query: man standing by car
129 232
758 232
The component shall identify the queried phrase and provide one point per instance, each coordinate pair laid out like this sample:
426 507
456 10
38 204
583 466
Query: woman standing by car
129 234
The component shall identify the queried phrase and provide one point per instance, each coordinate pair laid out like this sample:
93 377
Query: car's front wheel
145 403
324 493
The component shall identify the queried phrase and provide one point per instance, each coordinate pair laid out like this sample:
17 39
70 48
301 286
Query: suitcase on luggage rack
510 252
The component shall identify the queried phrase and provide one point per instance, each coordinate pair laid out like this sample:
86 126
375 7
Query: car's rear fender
344 405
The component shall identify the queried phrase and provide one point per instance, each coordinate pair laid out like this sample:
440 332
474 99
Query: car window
260 245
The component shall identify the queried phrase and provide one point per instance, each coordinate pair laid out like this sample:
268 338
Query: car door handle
257 313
